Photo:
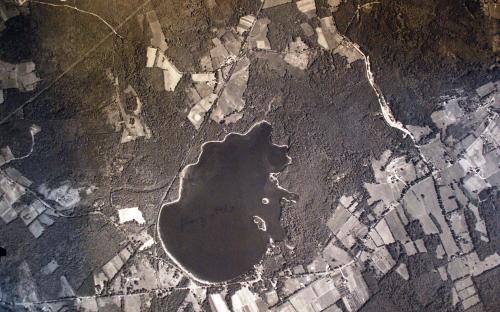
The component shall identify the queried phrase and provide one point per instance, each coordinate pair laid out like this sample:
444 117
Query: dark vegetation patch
421 50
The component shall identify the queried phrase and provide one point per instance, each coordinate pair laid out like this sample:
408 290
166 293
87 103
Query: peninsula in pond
229 207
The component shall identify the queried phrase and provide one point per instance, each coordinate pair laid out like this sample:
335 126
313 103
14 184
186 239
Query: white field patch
147 244
130 214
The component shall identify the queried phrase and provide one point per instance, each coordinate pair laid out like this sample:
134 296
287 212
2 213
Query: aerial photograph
249 155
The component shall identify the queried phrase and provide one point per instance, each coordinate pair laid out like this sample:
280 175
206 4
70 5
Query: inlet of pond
228 206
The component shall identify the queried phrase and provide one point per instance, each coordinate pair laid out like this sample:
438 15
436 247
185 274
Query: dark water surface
210 231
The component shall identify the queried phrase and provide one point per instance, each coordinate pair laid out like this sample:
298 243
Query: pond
229 206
